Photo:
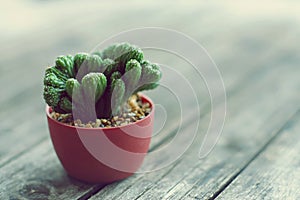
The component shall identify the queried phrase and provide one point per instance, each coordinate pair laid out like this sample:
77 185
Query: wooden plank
38 115
19 97
20 62
207 181
39 175
228 78
273 173
205 177
36 155
28 130
55 165
249 133
15 101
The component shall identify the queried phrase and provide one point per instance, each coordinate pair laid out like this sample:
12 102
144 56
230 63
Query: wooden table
256 48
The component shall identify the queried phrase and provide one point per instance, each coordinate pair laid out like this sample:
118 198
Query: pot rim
144 97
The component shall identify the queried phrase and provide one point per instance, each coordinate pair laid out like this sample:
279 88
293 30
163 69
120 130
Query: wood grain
202 178
38 175
17 101
273 174
55 165
258 62
32 54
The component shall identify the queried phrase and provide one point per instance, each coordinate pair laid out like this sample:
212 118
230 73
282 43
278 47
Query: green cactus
94 64
52 80
117 91
100 82
52 95
65 104
72 87
150 74
115 75
123 52
93 85
109 67
110 103
79 60
133 71
53 70
85 63
65 65
149 86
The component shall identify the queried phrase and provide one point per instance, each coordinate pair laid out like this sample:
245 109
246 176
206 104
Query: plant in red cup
99 124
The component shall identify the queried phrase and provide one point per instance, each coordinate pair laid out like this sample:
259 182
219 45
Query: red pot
102 155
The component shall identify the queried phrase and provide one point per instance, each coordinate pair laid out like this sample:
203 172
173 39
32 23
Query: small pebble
88 126
131 114
97 124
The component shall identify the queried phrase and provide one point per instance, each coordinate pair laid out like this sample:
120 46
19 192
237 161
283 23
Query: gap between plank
173 166
91 192
97 188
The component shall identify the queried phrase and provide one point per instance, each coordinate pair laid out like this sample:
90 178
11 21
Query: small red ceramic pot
102 155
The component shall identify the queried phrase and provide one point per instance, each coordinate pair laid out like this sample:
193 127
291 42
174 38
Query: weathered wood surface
274 173
258 61
194 178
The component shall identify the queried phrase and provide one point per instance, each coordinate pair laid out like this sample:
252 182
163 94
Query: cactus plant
98 84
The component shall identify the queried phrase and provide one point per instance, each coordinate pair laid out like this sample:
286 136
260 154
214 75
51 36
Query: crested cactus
98 84
133 71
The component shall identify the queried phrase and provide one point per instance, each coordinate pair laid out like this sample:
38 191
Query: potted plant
100 125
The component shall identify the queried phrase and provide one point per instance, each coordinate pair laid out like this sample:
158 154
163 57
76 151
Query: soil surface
133 111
